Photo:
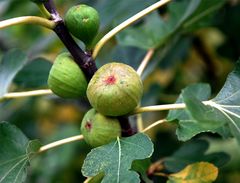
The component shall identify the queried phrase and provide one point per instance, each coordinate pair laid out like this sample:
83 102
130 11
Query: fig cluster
114 90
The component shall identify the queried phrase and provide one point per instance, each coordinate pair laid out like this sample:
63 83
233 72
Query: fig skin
66 79
115 89
98 129
83 22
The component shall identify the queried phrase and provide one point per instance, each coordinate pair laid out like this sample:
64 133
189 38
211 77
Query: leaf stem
60 142
125 24
139 122
44 11
154 124
28 20
163 107
145 61
26 94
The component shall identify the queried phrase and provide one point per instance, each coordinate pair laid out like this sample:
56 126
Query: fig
66 79
83 22
98 129
115 89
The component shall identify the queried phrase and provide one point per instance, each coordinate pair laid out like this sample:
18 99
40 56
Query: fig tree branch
125 24
60 142
83 59
28 20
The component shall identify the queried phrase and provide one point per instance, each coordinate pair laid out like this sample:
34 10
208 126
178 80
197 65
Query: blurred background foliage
205 51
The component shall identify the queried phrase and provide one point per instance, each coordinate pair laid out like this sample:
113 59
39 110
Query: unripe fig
83 22
66 79
98 129
115 89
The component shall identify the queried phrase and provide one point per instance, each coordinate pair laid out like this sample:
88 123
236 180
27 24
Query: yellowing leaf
201 172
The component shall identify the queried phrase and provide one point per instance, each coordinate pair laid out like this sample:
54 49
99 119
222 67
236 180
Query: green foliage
192 152
15 153
141 166
115 159
155 32
189 126
222 110
34 74
227 101
194 41
11 63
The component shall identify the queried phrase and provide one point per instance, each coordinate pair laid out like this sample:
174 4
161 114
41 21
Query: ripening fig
66 79
98 129
115 89
83 22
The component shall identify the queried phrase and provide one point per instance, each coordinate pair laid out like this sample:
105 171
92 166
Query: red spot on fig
88 125
110 80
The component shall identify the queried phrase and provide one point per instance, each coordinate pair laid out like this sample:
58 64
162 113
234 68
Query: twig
28 20
125 24
154 124
145 61
26 94
60 142
161 174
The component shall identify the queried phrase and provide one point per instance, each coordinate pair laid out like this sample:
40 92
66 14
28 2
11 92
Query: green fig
66 79
98 129
115 89
83 22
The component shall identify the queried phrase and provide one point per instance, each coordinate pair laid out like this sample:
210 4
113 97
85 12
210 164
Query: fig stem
145 61
153 125
28 20
163 107
125 24
26 94
60 142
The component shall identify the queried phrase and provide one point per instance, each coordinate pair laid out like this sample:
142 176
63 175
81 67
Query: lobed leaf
188 126
15 153
228 101
115 159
